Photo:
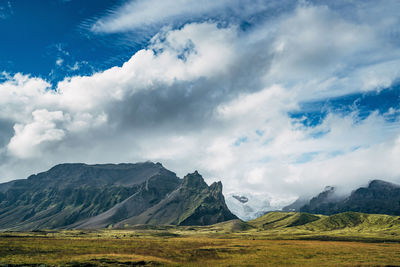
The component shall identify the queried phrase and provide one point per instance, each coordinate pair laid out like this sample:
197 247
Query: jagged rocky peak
216 187
194 180
192 203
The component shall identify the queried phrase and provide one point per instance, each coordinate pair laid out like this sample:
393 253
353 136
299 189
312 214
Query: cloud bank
218 98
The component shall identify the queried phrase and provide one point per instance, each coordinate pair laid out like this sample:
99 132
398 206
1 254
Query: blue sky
37 36
277 98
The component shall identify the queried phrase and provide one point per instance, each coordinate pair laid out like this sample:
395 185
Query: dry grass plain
276 239
130 248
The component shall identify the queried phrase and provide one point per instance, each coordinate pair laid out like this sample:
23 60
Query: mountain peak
380 184
192 203
329 188
194 180
216 187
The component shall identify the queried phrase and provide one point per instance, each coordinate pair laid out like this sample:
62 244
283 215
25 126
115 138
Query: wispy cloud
145 13
140 13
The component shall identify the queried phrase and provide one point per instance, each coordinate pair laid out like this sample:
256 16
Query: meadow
267 241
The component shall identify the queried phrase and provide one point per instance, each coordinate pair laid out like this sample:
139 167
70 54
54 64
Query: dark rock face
327 200
210 208
379 197
149 193
192 203
93 196
297 205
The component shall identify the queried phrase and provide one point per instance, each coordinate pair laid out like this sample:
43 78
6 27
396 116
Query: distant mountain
297 205
326 200
379 197
92 196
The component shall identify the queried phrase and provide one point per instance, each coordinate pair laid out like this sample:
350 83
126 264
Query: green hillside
276 220
342 226
348 226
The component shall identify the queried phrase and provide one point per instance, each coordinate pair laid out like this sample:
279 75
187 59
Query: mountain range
379 197
77 195
110 195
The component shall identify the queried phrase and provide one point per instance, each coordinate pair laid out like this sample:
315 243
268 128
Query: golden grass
276 239
129 247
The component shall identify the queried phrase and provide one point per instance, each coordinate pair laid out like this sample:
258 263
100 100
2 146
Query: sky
273 98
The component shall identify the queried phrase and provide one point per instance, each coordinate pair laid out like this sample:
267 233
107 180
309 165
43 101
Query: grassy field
350 239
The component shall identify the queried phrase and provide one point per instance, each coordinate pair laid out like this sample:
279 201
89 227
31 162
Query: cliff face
93 196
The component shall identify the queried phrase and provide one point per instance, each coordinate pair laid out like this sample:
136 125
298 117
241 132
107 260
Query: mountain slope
378 197
80 195
192 203
274 220
326 200
149 193
68 193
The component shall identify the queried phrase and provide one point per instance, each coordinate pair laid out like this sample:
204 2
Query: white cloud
149 14
41 130
315 41
84 100
19 95
216 99
141 13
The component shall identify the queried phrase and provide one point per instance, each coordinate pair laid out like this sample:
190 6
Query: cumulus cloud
41 130
217 98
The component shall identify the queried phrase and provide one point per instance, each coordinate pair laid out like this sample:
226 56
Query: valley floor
187 247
